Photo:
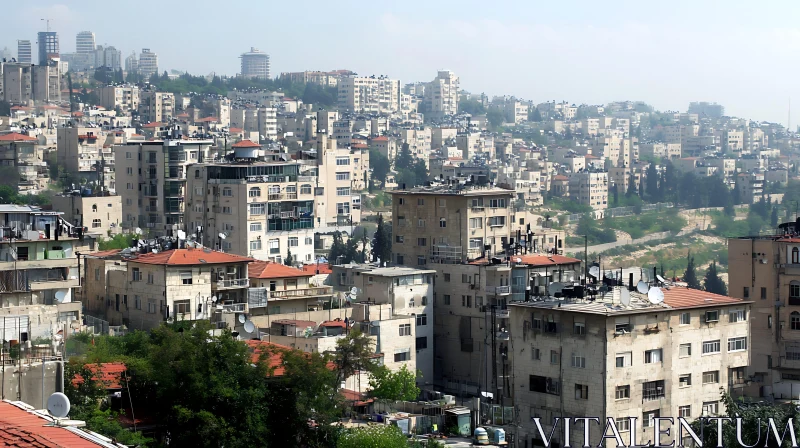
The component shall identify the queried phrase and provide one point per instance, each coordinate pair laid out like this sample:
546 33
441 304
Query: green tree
712 282
118 241
400 385
690 276
289 261
404 159
380 166
773 219
534 115
338 248
354 353
378 436
652 182
470 106
381 242
495 117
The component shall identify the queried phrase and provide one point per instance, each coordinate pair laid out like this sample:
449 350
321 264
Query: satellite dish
518 260
660 278
556 287
625 297
214 299
242 318
642 287
353 290
249 327
58 405
222 236
594 271
62 295
138 231
655 296
181 235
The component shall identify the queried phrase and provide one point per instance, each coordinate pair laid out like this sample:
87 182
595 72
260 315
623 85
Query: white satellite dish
594 271
222 236
625 297
137 231
642 287
518 260
58 405
655 295
353 290
660 278
249 327
181 235
556 287
62 295
242 318
214 299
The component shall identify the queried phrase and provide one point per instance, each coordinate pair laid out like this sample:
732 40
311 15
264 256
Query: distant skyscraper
148 63
255 64
84 42
132 63
48 46
24 52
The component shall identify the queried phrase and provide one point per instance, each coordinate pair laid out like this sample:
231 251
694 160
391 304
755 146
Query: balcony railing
498 290
275 197
232 283
234 308
257 303
305 292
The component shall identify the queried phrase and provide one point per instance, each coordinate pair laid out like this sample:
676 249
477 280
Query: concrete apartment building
705 109
156 107
264 209
24 83
82 150
100 214
441 95
255 64
751 186
147 64
419 142
605 359
589 188
340 174
766 270
124 98
151 179
145 290
410 322
281 292
25 154
262 120
24 52
369 94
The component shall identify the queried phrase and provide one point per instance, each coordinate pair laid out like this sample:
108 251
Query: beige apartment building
282 292
82 150
341 173
156 107
589 188
151 180
369 94
262 120
24 153
100 214
766 270
608 359
145 290
751 186
441 94
124 97
264 209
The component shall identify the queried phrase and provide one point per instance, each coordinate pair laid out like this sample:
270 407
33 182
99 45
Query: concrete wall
25 383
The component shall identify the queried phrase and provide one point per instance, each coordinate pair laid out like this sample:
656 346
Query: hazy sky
742 54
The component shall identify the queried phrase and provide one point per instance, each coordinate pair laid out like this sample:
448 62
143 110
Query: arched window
795 320
795 255
442 222
94 208
254 192
794 292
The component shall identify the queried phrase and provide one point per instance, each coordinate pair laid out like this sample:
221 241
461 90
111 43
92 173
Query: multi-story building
255 64
148 63
24 153
751 186
132 63
151 179
441 95
124 97
108 57
46 83
732 141
589 188
17 83
262 120
264 210
99 212
81 151
145 290
340 174
24 52
84 42
369 94
48 46
156 107
617 358
706 110
278 289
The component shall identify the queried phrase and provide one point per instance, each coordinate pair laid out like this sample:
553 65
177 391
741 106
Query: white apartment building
369 94
156 107
589 188
125 97
255 64
148 63
263 120
82 151
340 174
84 42
441 94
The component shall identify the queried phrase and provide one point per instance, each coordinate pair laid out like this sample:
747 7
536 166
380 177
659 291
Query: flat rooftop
393 271
451 190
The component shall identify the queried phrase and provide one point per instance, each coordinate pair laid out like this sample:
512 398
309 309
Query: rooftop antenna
655 296
625 297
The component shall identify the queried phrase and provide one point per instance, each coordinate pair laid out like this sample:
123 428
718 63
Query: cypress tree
690 276
713 283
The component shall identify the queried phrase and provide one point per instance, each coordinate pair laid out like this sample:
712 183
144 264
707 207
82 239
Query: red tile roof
681 297
312 269
22 428
359 145
104 253
209 120
245 144
16 137
236 129
560 177
382 138
109 374
189 257
152 125
274 354
270 269
546 260
333 324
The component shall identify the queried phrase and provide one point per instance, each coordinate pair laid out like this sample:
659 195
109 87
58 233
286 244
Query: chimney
630 282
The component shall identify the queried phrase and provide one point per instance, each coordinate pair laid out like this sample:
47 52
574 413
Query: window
795 255
402 355
420 260
711 347
710 408
305 189
685 411
227 191
96 223
398 238
442 222
401 201
685 380
420 223
294 241
447 299
256 209
685 350
466 278
712 316
151 306
746 293
554 357
624 359
581 392
182 307
255 245
405 330
227 210
422 342
497 221
447 277
442 203
652 356
150 278
475 223
309 241
497 203
137 275
795 318
536 355
623 393
255 226
466 301
137 302
186 277
763 293
711 377
737 344
736 376
343 161
476 243
274 246
794 292
578 361
422 320
686 318
623 424
343 176
420 201
648 418
254 192
422 242
736 316
97 274
579 328
652 390
342 191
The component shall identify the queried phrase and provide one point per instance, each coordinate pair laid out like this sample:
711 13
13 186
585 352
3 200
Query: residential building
24 52
151 179
766 270
98 212
132 63
46 83
706 110
148 63
82 150
145 290
255 64
610 359
156 107
124 98
84 42
17 83
751 186
341 173
277 289
369 94
264 209
48 46
108 57
24 153
589 188
441 95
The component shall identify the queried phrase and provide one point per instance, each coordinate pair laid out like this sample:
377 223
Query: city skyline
666 56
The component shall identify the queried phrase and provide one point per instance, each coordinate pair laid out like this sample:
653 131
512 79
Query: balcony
234 308
502 313
275 197
301 293
39 264
232 283
53 284
498 290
